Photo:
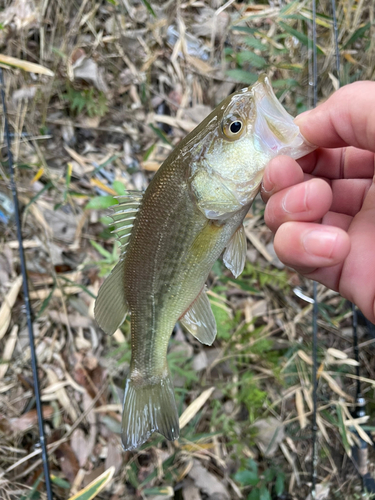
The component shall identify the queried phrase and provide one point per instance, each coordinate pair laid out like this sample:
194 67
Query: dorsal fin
111 306
124 215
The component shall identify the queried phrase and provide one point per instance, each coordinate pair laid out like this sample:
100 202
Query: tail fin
149 406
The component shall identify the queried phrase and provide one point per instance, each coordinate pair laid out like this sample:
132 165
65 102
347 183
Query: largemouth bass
192 212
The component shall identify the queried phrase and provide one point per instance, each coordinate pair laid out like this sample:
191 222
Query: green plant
91 101
261 484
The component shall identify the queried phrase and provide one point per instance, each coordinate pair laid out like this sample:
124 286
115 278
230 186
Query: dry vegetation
130 80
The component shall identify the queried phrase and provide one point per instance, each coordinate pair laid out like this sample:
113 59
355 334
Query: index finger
341 163
347 118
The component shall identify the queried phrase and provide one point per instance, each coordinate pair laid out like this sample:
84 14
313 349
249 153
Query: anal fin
111 306
235 254
199 320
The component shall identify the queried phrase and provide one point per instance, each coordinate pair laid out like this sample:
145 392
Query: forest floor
118 84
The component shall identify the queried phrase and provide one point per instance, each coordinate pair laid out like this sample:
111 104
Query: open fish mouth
274 128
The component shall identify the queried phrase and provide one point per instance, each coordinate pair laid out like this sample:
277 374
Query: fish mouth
274 128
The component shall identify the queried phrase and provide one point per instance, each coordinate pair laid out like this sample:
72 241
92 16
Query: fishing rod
34 361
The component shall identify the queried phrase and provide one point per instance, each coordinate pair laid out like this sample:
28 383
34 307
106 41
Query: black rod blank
34 362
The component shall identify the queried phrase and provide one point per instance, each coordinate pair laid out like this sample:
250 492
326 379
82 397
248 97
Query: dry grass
127 86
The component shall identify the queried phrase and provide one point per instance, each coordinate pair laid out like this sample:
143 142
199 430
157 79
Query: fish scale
191 212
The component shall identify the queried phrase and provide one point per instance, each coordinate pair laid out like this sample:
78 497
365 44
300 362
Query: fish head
239 138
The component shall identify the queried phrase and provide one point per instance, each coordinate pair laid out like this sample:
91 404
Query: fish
191 213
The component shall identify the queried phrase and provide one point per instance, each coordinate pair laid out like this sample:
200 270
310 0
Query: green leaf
252 465
242 76
162 490
46 301
269 474
95 487
119 187
101 202
247 478
101 250
264 494
252 58
251 41
160 134
254 494
244 29
148 7
279 484
223 321
148 152
304 39
60 482
39 193
357 34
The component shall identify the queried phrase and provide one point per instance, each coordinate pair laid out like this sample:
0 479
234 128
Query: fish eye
232 126
235 127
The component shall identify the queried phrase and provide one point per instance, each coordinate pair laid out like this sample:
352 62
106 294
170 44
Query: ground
119 83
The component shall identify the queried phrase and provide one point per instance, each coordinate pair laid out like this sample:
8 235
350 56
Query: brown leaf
30 419
68 461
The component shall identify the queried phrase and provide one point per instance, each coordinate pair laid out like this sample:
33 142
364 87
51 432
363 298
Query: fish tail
149 406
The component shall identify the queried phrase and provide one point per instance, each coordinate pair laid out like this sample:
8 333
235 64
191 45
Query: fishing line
34 362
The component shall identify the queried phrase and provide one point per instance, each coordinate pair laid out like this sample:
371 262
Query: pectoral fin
199 320
111 306
235 254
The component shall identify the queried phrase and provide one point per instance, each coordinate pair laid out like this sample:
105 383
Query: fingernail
295 201
320 243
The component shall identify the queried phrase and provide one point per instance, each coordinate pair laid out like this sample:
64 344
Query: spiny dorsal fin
111 306
235 254
124 215
199 320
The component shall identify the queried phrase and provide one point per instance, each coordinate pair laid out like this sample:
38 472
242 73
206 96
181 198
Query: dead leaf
62 395
200 361
270 435
194 407
114 454
8 350
68 461
25 65
190 491
322 491
300 409
82 445
21 13
86 69
30 419
6 308
207 482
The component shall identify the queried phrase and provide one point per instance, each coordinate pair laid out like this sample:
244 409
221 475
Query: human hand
322 208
